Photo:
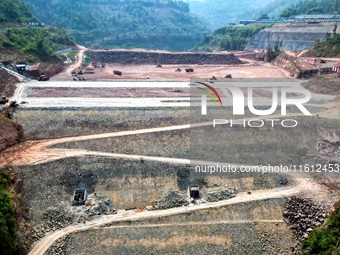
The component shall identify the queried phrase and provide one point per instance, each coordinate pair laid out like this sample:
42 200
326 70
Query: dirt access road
302 185
79 60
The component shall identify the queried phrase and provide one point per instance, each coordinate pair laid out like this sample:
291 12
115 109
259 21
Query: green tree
7 224
326 239
263 16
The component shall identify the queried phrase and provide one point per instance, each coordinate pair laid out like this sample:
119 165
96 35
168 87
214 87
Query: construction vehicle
4 100
116 72
9 109
43 78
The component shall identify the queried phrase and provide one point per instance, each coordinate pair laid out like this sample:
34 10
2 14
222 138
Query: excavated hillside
10 132
7 83
166 58
290 37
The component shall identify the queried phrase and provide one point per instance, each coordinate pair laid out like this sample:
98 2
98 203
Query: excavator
9 107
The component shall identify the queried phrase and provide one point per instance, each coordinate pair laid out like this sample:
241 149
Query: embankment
153 58
290 37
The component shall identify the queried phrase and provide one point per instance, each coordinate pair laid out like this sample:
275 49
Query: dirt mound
170 199
155 58
7 83
326 84
10 133
218 193
63 215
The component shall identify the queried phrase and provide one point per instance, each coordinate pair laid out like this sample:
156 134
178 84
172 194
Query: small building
246 22
79 196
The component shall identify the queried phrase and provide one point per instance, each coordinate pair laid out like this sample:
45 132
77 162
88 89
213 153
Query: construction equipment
9 109
43 78
116 72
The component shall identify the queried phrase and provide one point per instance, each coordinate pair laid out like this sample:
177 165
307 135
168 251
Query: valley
130 127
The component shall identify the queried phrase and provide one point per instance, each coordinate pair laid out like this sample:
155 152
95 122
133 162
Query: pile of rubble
218 193
172 198
303 214
157 58
65 214
169 199
7 83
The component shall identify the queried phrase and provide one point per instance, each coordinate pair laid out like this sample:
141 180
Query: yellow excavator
9 107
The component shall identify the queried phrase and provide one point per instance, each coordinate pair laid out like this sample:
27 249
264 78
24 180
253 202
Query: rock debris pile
64 214
303 214
155 58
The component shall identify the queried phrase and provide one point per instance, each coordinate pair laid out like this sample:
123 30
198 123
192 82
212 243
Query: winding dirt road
301 185
36 152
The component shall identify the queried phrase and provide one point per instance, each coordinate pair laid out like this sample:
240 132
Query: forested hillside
313 7
158 24
229 38
21 42
15 11
219 13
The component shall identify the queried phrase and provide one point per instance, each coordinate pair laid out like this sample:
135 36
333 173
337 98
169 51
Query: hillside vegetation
229 38
325 240
162 24
328 48
33 44
219 13
313 7
20 42
15 11
15 224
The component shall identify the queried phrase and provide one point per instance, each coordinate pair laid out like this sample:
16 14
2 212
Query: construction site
106 166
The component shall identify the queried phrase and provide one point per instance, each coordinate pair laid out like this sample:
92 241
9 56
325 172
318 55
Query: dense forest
15 11
313 7
229 38
158 24
219 13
